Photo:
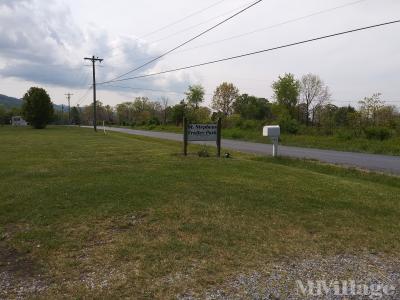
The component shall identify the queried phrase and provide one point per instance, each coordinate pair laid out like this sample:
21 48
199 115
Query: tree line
298 105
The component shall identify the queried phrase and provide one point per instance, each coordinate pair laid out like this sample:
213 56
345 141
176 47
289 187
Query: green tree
178 112
325 118
195 95
3 114
224 96
199 115
125 113
37 107
343 115
250 107
386 117
286 91
75 116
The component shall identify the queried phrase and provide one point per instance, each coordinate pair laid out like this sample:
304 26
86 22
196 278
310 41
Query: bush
377 133
236 134
151 127
232 121
203 152
251 124
153 121
289 125
345 135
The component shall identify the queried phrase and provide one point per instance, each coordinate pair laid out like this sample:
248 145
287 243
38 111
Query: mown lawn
332 142
114 215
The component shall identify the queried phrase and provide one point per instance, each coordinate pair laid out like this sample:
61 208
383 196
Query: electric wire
257 52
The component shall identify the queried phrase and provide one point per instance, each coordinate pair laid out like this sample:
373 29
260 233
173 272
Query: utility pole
62 114
69 107
79 114
93 59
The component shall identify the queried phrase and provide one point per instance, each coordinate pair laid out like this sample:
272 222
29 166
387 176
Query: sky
43 43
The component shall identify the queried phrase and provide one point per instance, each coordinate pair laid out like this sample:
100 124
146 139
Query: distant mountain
11 102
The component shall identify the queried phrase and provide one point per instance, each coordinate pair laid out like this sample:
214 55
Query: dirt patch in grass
20 276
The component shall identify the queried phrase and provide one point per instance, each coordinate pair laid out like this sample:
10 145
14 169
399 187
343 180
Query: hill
11 102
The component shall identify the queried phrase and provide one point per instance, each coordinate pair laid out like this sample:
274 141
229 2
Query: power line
384 101
188 41
250 32
181 20
144 89
262 28
272 26
147 89
181 31
199 24
257 52
83 81
83 98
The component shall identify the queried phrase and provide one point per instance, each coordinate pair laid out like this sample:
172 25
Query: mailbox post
273 132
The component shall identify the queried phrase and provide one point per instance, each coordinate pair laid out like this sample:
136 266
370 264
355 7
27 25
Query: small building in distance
18 121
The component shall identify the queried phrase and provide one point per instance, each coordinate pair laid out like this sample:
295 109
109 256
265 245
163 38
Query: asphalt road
373 162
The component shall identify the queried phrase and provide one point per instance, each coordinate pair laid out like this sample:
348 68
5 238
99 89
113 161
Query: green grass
85 208
333 142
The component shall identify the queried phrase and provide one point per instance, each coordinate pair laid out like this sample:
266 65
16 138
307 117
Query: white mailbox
273 132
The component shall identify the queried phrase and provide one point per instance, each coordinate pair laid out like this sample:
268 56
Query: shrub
289 125
345 135
232 121
203 152
153 121
236 135
377 133
251 124
151 127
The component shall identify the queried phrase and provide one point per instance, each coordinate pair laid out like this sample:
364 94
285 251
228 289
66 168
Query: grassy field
333 142
85 215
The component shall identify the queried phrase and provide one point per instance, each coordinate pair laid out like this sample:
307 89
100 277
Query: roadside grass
125 216
333 142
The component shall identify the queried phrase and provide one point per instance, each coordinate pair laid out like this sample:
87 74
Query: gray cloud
41 43
13 3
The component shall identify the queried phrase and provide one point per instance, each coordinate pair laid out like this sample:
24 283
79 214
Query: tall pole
93 59
79 114
62 114
69 107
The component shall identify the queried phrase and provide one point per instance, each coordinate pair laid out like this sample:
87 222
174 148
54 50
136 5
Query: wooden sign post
201 132
185 136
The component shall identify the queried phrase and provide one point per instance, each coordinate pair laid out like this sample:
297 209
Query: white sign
202 132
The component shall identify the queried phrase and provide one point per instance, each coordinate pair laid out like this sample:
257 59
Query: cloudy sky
43 43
